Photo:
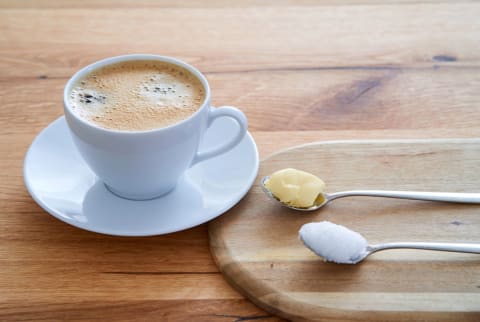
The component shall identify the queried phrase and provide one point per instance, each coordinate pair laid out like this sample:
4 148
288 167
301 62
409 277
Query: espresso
137 95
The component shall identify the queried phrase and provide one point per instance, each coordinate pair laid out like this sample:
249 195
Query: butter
295 187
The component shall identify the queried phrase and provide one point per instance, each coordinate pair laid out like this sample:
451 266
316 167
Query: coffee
137 95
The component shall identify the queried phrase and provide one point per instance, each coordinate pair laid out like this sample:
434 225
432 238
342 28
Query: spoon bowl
323 198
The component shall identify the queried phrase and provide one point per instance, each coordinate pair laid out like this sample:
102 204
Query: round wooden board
256 245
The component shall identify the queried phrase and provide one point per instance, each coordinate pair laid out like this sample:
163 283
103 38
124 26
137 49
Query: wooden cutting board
257 249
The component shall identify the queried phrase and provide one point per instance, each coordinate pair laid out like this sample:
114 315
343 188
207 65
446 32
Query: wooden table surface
302 71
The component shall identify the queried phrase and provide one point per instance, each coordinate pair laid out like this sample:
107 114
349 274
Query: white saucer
62 184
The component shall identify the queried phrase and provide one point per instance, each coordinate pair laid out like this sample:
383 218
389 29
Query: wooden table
302 71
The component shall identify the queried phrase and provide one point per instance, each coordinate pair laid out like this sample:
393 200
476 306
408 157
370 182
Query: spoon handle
446 247
459 197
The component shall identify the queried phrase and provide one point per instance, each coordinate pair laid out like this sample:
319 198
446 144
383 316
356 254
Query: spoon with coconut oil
338 244
303 191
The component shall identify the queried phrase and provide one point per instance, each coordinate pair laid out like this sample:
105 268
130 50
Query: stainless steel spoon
445 247
337 243
457 197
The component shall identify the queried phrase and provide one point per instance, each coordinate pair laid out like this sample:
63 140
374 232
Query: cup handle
224 111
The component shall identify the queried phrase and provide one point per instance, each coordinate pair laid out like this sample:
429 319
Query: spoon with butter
303 191
338 244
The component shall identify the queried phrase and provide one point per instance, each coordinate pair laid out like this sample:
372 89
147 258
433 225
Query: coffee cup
139 163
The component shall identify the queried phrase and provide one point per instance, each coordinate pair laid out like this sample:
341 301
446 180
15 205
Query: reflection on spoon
336 243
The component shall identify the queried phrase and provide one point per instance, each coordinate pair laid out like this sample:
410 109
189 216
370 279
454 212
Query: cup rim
123 58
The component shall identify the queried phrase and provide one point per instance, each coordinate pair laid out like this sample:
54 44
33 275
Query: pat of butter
294 187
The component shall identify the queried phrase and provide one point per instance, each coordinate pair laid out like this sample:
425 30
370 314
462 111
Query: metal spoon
445 247
339 244
324 198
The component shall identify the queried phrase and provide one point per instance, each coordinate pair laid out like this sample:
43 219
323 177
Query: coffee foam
137 95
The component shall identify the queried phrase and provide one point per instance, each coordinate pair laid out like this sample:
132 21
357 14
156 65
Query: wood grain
58 42
302 71
51 4
256 245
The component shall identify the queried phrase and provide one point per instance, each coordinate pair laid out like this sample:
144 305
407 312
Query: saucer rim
56 214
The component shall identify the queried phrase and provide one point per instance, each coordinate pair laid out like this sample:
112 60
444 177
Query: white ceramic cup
143 165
